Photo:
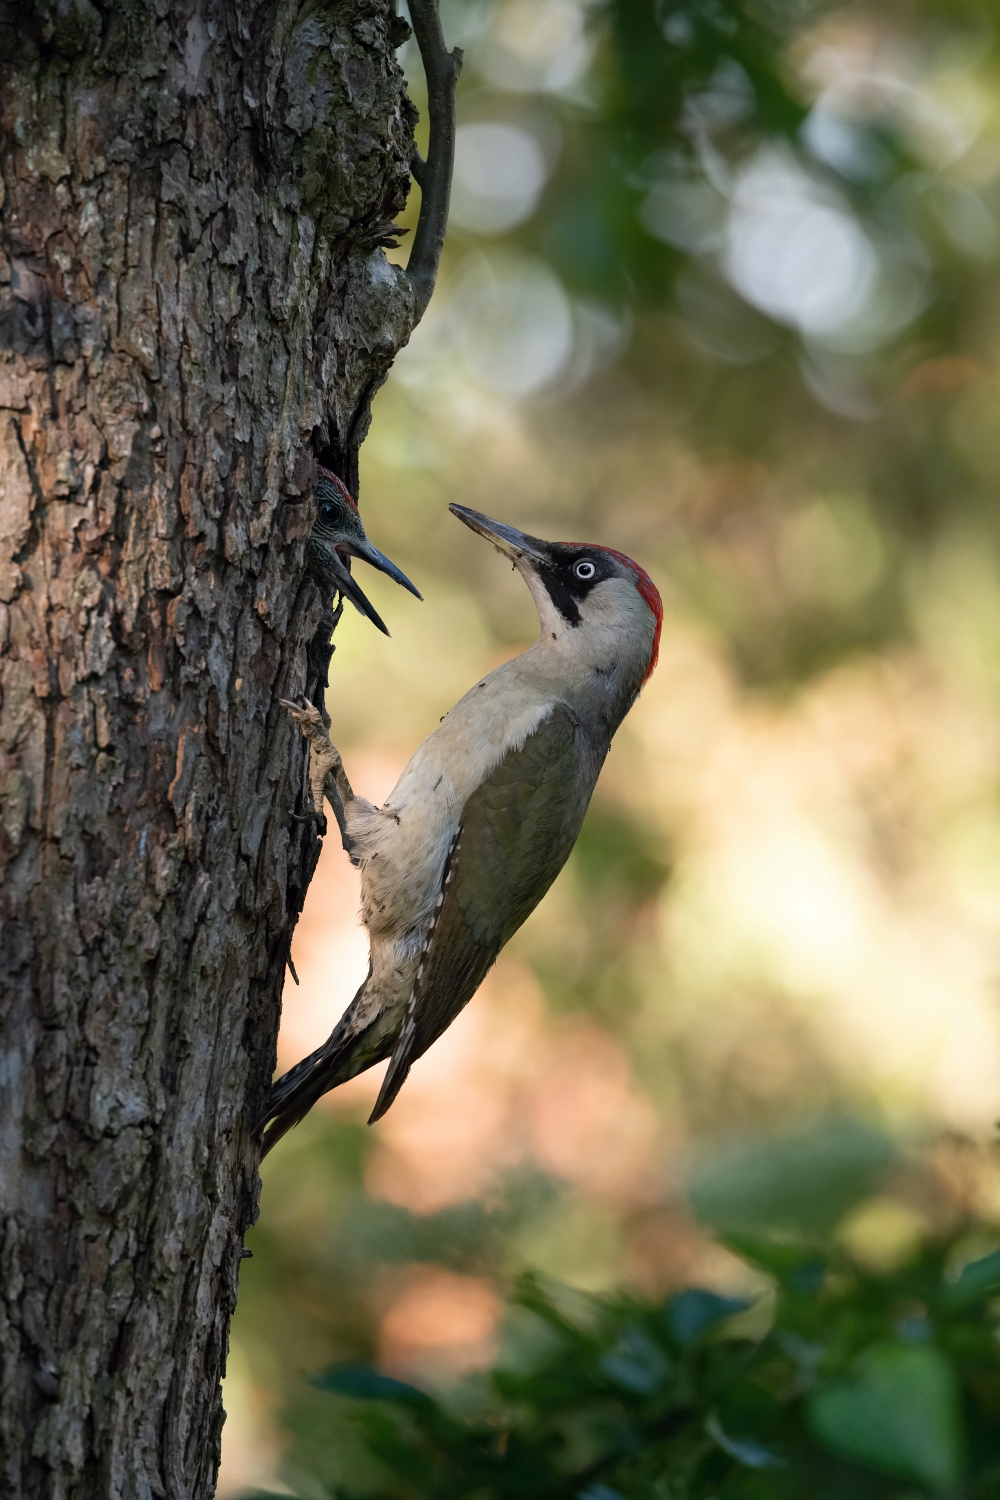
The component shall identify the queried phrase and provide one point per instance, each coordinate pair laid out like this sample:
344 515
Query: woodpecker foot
316 818
309 720
327 777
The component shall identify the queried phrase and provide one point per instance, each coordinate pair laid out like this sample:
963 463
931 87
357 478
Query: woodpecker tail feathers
343 1055
399 1068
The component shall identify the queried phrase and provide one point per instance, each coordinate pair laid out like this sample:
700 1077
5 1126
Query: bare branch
441 68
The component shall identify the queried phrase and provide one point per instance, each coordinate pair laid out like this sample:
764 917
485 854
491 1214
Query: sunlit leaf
746 1451
802 1183
801 1267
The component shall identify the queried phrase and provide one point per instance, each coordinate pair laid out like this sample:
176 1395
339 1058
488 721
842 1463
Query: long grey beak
345 583
516 545
379 560
349 588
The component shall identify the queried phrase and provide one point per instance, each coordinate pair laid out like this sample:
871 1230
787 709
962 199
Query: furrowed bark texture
193 302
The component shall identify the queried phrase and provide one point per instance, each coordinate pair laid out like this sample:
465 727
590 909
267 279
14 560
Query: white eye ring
585 570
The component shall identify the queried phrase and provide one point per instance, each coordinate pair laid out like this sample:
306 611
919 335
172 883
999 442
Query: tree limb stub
342 430
433 176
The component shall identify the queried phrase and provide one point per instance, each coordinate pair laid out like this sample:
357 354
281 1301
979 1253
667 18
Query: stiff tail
343 1055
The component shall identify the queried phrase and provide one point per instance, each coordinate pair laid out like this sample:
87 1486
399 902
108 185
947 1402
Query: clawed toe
317 818
327 779
303 713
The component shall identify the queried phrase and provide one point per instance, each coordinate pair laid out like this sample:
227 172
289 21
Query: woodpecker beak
514 544
338 565
379 560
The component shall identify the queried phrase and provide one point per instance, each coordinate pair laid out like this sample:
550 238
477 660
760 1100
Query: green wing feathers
517 832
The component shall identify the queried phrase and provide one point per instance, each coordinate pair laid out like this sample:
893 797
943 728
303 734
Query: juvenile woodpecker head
337 536
600 612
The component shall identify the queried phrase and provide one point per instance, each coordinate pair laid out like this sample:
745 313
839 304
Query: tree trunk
193 306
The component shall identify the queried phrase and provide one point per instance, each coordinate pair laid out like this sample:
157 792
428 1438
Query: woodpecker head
337 536
596 606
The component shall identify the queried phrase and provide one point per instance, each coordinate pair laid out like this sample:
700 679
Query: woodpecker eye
326 512
584 570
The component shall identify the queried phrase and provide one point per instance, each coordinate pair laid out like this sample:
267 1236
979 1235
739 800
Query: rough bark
193 305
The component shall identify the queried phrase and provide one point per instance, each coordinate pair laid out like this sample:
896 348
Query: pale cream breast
402 846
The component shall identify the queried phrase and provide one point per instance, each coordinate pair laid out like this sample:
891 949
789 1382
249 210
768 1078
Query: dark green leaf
636 1363
691 1313
365 1384
977 1280
899 1416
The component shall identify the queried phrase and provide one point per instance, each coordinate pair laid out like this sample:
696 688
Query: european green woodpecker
485 813
337 536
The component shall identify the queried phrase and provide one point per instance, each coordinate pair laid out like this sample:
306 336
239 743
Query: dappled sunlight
814 857
452 1133
829 931
507 1087
438 1326
330 948
252 1442
590 1126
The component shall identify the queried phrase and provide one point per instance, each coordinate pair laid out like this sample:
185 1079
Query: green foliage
838 1383
654 184
900 1414
802 1183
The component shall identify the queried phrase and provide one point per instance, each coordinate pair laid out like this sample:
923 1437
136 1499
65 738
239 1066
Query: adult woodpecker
484 815
339 535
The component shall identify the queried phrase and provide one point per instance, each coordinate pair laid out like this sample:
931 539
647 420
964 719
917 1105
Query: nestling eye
326 512
584 570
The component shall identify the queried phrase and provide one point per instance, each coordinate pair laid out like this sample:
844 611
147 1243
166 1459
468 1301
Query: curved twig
433 176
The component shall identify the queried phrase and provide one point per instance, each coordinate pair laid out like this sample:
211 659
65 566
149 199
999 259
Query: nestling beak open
516 545
338 555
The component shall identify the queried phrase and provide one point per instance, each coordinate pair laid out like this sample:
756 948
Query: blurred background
720 290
